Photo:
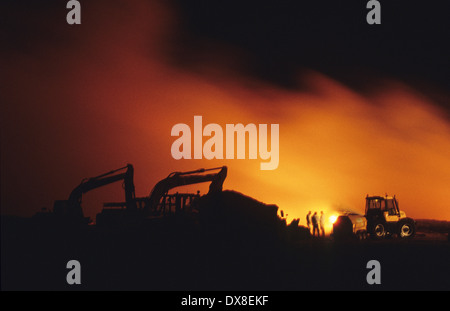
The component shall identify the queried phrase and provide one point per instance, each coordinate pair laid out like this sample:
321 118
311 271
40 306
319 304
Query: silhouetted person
322 223
315 223
308 221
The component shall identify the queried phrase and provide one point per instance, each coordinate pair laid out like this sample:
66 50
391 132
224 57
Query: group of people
317 222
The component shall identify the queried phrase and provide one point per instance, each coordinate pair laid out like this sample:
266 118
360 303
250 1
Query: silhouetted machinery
134 210
70 213
160 203
382 218
350 225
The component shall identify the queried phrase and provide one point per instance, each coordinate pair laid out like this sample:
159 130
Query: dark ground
174 257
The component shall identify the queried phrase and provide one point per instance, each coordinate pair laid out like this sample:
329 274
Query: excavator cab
63 216
62 208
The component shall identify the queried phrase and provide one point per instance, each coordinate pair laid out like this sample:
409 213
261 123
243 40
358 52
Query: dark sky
412 42
278 38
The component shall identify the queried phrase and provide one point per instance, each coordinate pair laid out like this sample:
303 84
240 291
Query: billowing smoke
90 99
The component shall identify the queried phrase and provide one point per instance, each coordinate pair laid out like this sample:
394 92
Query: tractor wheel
406 228
379 230
361 235
358 236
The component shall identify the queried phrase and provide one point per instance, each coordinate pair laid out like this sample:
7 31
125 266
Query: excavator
70 211
160 192
160 203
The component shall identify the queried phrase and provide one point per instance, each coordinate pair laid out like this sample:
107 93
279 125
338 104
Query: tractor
385 219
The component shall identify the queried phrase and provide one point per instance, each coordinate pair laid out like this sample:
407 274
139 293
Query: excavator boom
177 179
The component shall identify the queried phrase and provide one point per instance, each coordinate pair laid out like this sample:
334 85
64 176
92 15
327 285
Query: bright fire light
333 219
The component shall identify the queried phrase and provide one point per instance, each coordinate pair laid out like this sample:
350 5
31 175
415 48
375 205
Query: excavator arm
177 179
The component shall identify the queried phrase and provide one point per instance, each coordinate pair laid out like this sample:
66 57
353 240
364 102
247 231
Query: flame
332 219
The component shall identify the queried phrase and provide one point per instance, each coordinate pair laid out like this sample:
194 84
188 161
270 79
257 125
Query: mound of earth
233 213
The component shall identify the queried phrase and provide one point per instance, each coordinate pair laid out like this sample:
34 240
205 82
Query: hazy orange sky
86 100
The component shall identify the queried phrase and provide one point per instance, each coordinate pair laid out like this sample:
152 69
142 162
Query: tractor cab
383 207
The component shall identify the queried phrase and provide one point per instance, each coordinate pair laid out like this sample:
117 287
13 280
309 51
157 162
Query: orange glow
118 106
333 219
